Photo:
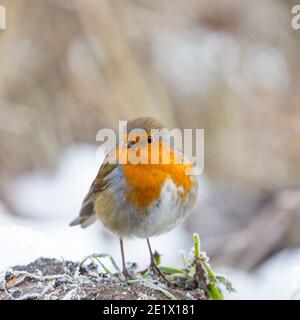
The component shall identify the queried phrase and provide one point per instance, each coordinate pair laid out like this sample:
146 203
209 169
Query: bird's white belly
164 214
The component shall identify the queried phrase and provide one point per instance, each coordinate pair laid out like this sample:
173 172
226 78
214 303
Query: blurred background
69 68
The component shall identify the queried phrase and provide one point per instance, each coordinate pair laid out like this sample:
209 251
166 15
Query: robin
140 199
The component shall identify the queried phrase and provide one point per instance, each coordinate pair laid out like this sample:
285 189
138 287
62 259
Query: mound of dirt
51 279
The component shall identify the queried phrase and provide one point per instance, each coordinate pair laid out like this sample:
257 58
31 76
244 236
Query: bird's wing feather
87 214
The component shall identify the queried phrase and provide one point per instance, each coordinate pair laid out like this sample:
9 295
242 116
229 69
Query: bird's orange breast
146 181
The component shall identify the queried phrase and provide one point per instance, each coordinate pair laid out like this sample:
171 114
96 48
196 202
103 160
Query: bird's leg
154 266
152 259
124 271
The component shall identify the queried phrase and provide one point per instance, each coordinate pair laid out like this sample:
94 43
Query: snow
42 195
278 278
47 203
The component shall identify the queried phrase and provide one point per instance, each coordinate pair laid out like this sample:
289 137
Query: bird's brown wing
87 214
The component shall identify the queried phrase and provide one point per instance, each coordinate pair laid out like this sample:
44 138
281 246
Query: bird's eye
149 139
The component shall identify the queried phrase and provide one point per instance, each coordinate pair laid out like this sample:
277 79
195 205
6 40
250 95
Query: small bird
140 199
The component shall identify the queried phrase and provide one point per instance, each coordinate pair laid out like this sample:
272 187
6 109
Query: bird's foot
127 275
154 267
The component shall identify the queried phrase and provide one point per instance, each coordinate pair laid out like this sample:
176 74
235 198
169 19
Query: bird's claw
127 275
154 267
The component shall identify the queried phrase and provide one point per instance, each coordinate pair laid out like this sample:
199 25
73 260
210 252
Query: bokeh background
71 67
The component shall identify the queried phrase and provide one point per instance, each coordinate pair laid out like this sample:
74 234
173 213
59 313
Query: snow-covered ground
47 203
